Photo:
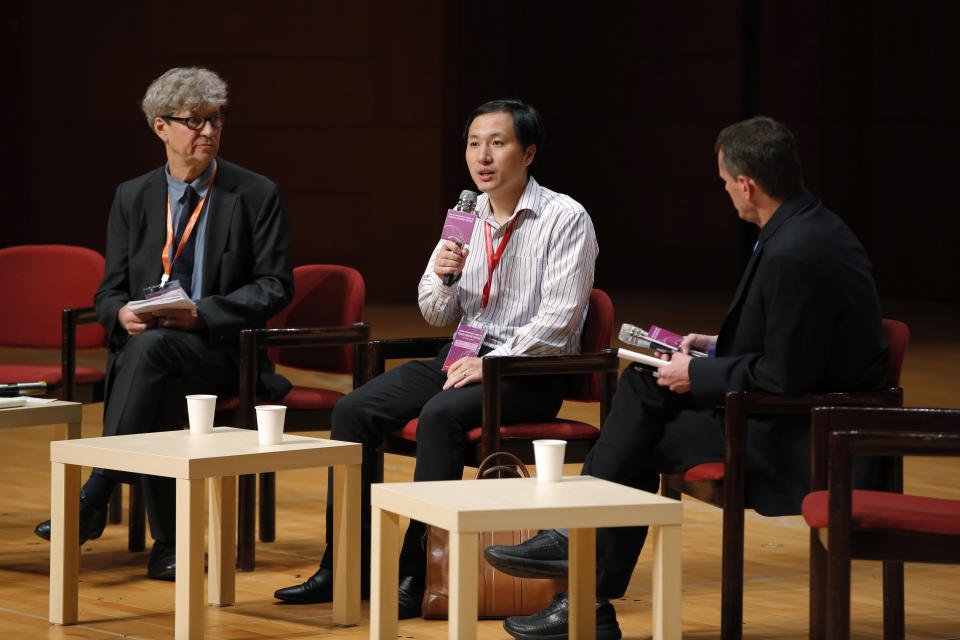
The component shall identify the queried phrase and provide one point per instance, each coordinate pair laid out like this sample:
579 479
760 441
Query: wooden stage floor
118 601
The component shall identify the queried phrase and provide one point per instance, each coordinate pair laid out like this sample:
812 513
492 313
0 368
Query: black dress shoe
163 562
542 556
92 522
317 588
552 623
410 597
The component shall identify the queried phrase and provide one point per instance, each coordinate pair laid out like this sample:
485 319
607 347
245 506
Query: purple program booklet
458 226
666 337
466 344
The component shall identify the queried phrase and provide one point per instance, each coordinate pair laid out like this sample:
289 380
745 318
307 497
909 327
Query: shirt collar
529 201
199 184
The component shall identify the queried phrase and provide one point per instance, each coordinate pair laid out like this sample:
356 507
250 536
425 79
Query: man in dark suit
805 318
219 231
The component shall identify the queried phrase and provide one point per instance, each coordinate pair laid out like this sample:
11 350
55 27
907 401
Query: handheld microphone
638 337
457 228
13 389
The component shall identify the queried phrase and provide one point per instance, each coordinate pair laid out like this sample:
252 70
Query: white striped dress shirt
541 287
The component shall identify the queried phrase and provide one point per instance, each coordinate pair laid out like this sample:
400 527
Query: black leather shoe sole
553 622
521 567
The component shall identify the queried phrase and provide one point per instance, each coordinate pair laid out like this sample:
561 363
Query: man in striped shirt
524 279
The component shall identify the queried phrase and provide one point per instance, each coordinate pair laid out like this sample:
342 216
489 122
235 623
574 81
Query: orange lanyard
165 256
493 259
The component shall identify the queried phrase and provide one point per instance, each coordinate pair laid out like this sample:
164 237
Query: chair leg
838 595
666 490
268 507
731 578
246 499
818 587
893 623
137 524
115 506
378 472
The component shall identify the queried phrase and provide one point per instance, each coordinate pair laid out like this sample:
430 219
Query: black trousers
415 390
150 378
638 442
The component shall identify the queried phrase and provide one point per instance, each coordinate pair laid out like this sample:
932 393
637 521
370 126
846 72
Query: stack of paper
172 299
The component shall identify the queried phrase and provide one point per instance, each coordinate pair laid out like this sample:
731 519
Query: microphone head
634 335
467 202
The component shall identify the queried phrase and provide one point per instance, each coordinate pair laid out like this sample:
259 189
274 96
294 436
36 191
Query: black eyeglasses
195 123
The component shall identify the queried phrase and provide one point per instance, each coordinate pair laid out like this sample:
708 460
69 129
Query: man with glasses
220 232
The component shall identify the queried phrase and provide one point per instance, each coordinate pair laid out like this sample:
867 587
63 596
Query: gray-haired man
221 232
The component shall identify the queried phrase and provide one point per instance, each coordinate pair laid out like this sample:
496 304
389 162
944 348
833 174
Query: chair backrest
898 336
597 329
38 282
326 295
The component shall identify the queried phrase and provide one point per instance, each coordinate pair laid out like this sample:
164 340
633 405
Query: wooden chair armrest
764 402
379 351
307 336
899 422
252 341
495 368
70 319
740 403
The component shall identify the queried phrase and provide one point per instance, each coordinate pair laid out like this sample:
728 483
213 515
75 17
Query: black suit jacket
248 275
805 318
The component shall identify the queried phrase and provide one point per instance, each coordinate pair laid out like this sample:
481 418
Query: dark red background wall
355 109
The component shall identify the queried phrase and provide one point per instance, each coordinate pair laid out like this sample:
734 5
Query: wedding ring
464 374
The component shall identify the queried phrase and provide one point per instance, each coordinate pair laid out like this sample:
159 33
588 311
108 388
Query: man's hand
697 341
464 371
135 324
450 259
675 375
180 319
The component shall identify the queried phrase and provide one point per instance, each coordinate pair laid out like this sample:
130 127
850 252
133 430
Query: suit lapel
221 211
154 236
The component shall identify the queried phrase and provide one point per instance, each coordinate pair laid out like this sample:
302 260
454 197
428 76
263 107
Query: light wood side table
466 507
57 412
218 457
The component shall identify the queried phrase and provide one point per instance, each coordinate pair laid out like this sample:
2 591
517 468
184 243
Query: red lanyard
493 259
165 256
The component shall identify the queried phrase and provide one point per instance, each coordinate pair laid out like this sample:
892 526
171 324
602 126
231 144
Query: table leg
221 573
667 582
189 608
70 432
346 544
583 583
464 568
384 581
64 550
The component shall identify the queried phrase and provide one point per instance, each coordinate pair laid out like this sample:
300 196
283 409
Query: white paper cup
270 423
548 456
200 410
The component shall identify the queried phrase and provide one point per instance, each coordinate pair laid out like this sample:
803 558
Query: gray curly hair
183 88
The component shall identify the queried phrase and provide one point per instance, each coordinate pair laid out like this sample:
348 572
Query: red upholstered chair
874 525
593 378
47 291
51 289
722 483
324 321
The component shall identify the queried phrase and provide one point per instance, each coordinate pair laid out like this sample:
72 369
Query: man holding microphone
522 285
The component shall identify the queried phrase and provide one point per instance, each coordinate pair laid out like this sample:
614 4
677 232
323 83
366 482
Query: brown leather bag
500 595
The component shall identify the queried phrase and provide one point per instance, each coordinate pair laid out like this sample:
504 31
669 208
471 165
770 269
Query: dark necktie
182 269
